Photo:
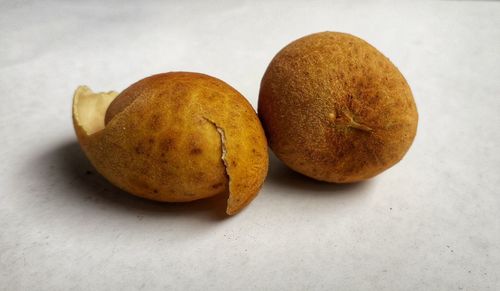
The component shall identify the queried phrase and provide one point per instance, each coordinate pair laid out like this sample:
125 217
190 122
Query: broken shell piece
174 137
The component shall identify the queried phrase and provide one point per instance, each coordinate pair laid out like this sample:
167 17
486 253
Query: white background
430 223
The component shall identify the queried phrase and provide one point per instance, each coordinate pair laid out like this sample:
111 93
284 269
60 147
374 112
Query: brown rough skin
165 136
335 109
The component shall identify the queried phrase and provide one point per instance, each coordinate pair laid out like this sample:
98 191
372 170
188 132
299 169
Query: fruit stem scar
350 121
359 126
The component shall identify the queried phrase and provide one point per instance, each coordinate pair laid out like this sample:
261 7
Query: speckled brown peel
174 137
335 109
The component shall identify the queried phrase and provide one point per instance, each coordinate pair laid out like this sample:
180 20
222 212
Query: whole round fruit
174 137
336 109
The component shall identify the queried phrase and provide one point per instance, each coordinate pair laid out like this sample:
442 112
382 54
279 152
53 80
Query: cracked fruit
336 109
174 137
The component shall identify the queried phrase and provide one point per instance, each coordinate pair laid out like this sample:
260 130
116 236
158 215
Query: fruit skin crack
222 135
223 144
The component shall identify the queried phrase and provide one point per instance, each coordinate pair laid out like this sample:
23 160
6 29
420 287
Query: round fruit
174 137
335 109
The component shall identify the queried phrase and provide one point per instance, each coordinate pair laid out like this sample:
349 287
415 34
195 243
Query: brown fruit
174 137
335 109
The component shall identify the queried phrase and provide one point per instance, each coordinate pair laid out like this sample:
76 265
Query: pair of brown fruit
332 107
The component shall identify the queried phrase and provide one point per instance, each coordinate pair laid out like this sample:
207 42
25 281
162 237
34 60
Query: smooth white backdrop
429 223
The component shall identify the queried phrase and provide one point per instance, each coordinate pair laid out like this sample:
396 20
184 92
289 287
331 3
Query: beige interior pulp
89 108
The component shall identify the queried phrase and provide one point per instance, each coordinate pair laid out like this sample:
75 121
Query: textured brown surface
335 109
165 143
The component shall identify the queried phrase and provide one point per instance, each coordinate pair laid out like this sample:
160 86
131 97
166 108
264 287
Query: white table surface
432 222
